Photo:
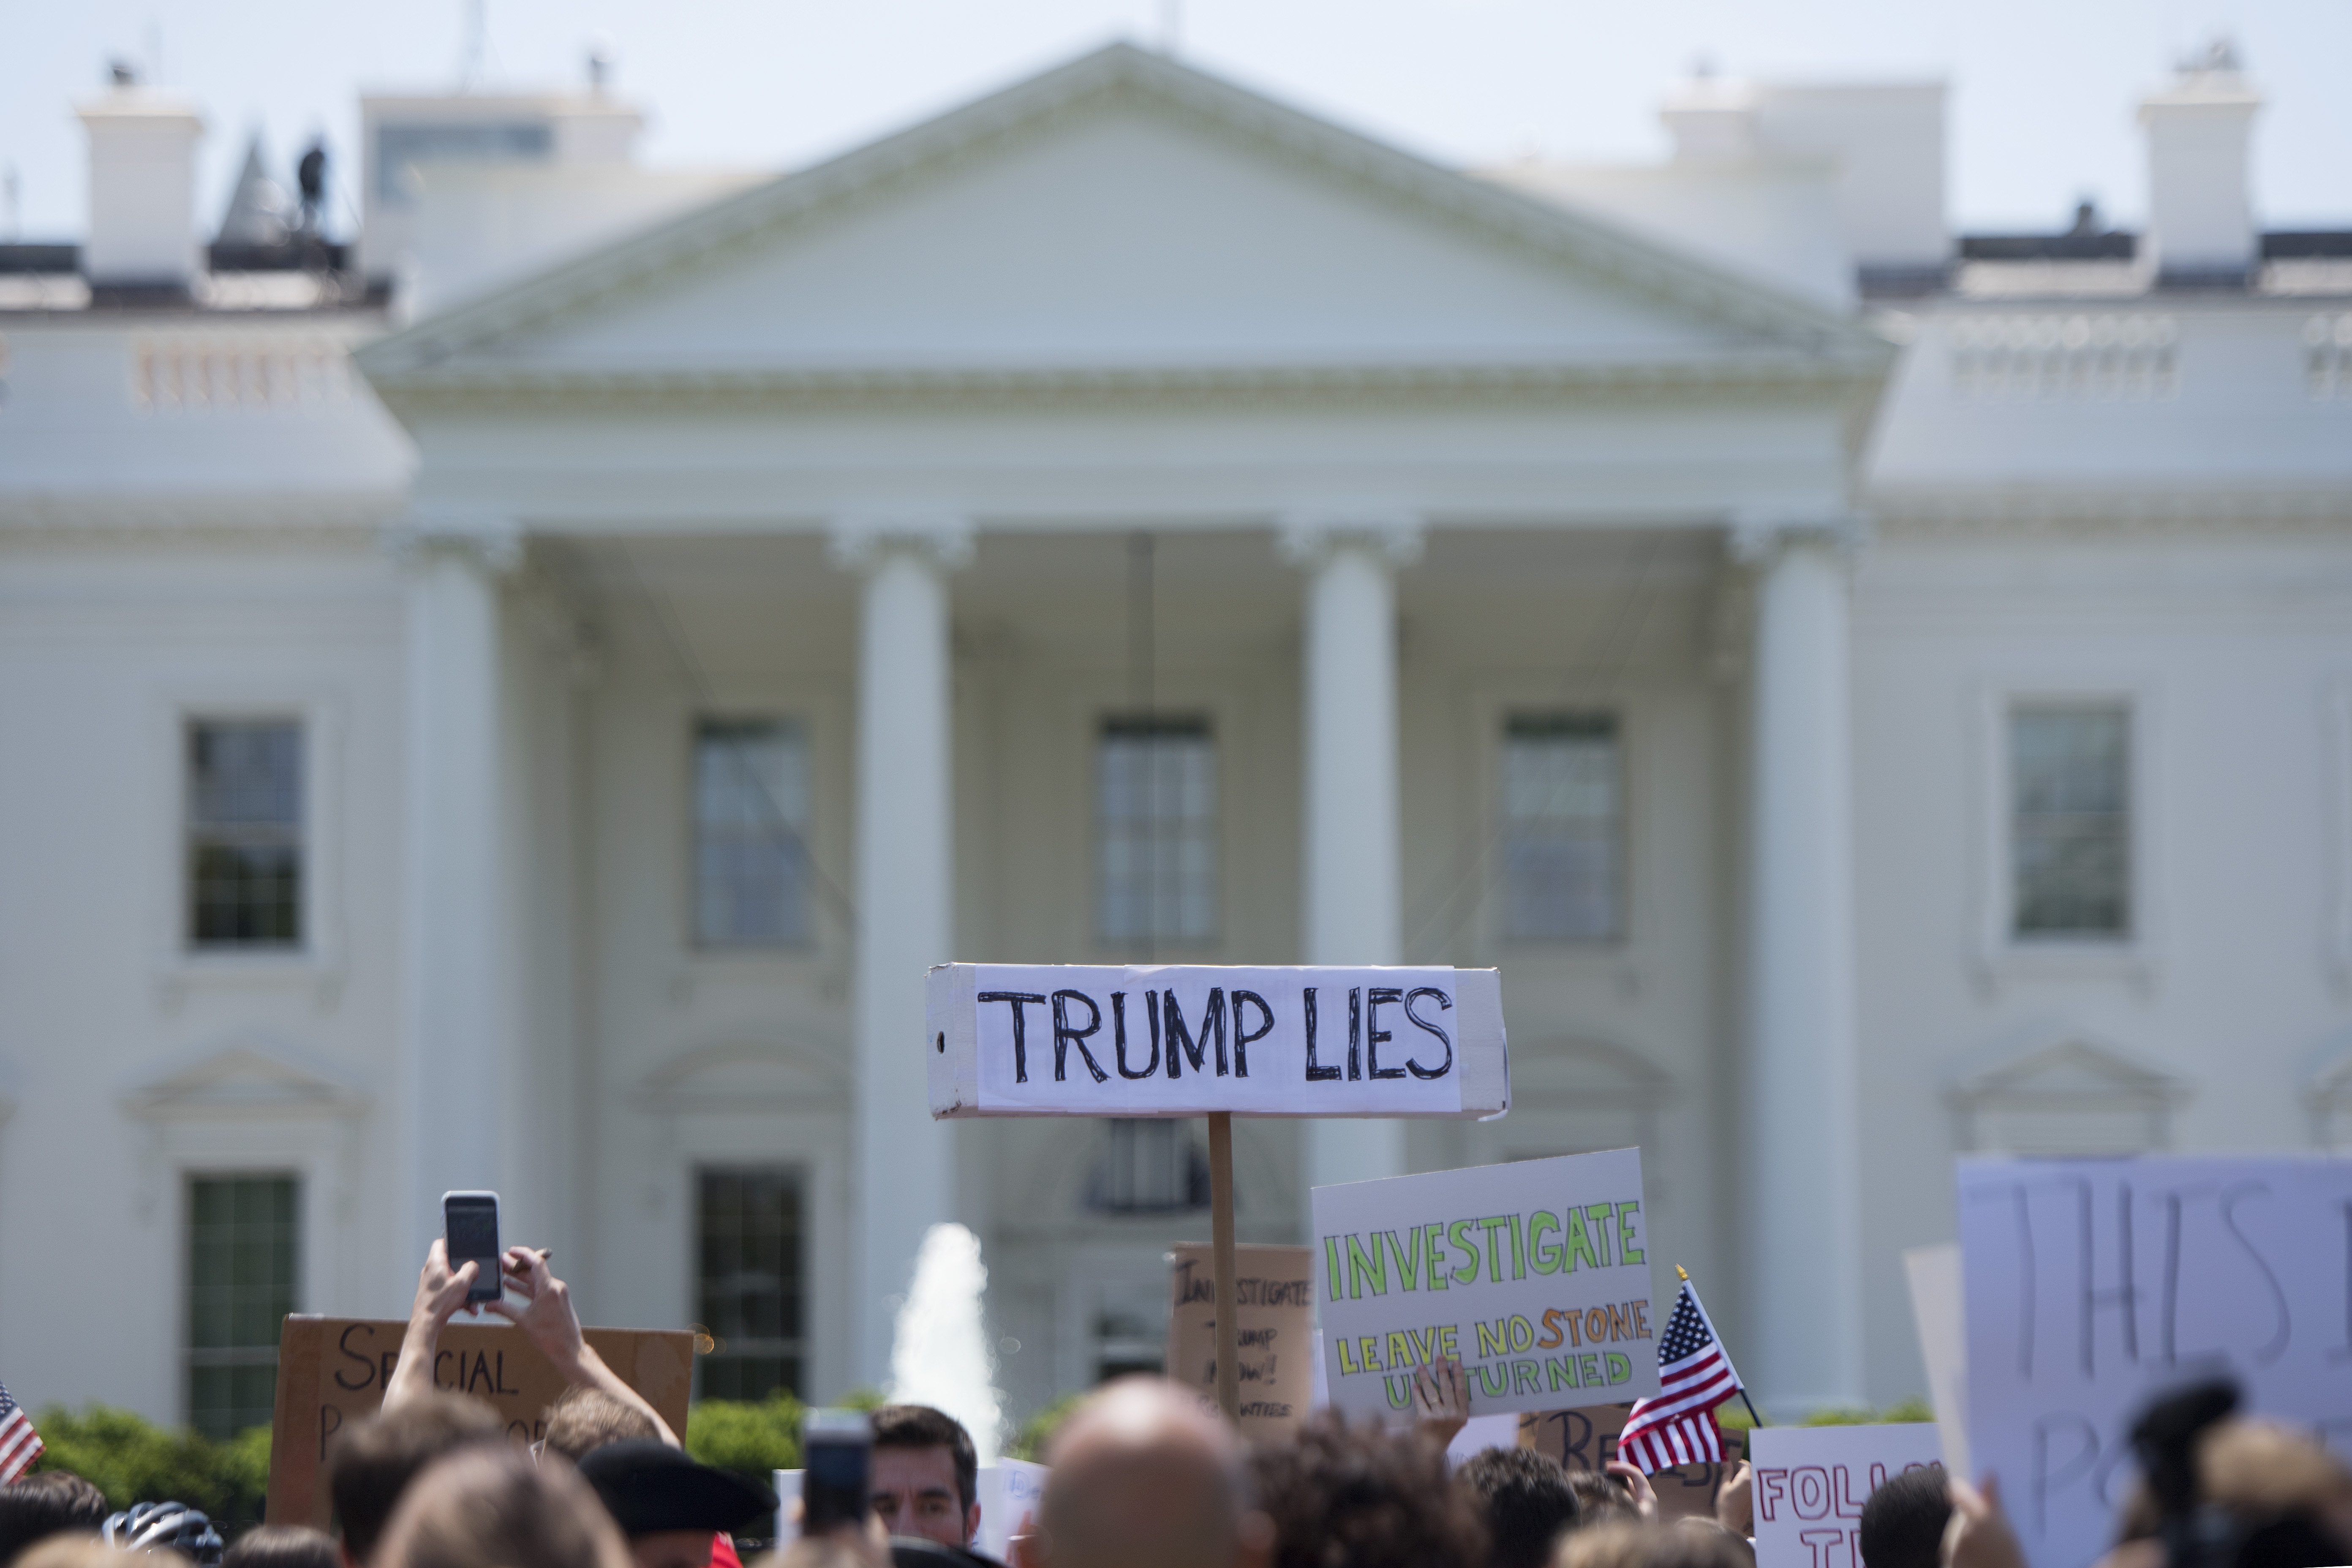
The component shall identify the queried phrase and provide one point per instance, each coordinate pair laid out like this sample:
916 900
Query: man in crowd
1527 1500
670 1508
372 1463
925 1475
48 1503
1144 1478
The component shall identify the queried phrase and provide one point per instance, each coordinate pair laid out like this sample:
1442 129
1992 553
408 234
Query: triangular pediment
1124 211
246 1081
745 1076
2068 1070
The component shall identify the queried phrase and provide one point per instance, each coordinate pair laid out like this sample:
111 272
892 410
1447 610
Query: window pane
1156 831
2070 821
245 834
751 824
1562 851
1149 1165
747 1288
243 1242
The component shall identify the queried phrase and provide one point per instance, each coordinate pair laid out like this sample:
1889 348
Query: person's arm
1735 1504
440 1295
1645 1497
554 1328
1441 1400
1978 1534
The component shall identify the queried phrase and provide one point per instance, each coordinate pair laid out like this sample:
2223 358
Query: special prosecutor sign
1012 1039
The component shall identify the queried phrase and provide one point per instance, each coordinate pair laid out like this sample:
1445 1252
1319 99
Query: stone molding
1759 538
492 542
1308 537
859 542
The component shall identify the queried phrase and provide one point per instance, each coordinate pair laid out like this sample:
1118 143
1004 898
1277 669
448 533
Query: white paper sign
2094 1284
1934 1274
1012 1040
1536 1274
1008 1493
1811 1481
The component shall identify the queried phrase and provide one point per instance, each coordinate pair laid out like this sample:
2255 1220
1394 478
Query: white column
1350 834
462 1054
1803 1200
904 881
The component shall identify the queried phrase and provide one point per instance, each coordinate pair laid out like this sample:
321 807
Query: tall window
1563 828
244 1258
245 834
1151 1166
747 1285
1156 831
2070 821
750 818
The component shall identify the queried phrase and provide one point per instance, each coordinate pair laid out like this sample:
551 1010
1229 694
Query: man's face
672 1549
914 1494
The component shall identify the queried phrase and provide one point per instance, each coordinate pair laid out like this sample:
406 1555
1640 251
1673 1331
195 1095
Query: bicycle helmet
166 1526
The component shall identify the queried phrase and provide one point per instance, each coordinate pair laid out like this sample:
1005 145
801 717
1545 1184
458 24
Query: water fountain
939 1353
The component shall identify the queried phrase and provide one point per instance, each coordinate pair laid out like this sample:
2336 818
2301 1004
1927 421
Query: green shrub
751 1438
1912 1409
132 1459
1029 1443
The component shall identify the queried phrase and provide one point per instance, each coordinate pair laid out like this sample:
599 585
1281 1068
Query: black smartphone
470 1230
836 1489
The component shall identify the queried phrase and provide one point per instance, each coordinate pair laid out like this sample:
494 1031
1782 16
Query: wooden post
1221 1242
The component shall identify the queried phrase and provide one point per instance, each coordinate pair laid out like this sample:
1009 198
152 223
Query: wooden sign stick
1220 1242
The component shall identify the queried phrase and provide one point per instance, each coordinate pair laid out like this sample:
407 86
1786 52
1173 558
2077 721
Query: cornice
2097 514
54 520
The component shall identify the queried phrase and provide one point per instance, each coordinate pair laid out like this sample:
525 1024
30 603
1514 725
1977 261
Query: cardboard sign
1019 1039
2093 1286
331 1373
1275 1289
1586 1439
1811 1481
1535 1274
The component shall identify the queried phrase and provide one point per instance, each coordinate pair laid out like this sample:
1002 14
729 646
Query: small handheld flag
1676 1424
19 1444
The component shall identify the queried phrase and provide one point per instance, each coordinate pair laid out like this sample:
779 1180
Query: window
1151 1166
747 1281
1156 831
1563 823
245 834
750 821
2070 821
244 1246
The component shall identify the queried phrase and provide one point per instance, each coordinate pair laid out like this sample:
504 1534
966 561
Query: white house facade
521 701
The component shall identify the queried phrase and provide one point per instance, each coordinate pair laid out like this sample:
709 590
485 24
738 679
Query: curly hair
1527 1502
1360 1497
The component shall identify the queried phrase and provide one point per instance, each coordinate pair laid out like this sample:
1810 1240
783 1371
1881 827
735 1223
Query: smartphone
470 1228
836 1447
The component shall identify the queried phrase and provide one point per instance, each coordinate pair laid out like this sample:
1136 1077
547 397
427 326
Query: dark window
1156 832
1563 828
243 1260
2070 820
245 834
750 818
1149 1165
748 1283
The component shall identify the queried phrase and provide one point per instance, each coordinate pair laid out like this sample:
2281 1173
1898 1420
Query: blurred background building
516 696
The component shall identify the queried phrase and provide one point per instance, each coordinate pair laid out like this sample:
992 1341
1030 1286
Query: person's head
282 1546
375 1462
1903 1521
668 1505
583 1419
45 1503
1348 1495
2261 1473
1620 1543
77 1549
1144 1478
1527 1501
491 1506
925 1475
1601 1499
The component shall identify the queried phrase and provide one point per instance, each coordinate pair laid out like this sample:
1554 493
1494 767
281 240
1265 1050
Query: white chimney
142 188
2200 221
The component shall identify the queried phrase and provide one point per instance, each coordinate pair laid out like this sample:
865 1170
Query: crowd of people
1142 1475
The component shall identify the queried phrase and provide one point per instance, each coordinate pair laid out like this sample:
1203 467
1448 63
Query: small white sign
1536 1275
1016 1039
1008 1493
1811 1481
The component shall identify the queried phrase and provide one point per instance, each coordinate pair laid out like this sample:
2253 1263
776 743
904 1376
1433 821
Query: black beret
649 1486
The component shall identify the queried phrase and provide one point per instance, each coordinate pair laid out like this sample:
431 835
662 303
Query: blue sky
2041 106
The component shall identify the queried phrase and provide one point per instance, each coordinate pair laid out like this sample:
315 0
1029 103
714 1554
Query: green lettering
1433 1235
1331 1261
1495 1341
1368 1350
1494 1251
1449 1340
1626 1251
1620 1369
1601 1214
1363 1267
1458 1233
1347 1367
1588 1368
1580 1243
1561 1372
1497 1385
1399 1391
1527 1377
1408 1269
1519 1250
1540 1222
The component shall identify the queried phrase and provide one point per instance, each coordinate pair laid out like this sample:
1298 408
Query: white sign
1811 1481
1536 1275
1933 1274
2094 1284
1019 1039
1008 1493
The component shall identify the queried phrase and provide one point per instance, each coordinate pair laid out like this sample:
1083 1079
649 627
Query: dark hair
1689 1542
35 1507
582 1420
1903 1521
1360 1497
491 1506
282 1546
1527 1500
920 1427
1601 1497
371 1468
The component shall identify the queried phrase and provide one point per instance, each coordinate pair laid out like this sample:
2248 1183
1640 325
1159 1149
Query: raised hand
1441 1399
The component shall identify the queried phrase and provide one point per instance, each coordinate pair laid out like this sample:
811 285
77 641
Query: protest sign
1811 1481
1014 1039
1535 1274
1586 1439
1275 1289
2093 1286
331 1373
1934 1274
1008 1492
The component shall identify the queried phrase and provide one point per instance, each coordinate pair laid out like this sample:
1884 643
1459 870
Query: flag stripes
19 1444
1676 1426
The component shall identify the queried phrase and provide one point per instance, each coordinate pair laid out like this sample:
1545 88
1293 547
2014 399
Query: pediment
249 1080
745 1076
1122 212
2070 1069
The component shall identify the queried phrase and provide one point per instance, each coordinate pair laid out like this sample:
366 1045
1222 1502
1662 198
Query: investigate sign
1536 1275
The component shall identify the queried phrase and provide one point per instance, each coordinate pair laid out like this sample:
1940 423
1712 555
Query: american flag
1676 1424
19 1444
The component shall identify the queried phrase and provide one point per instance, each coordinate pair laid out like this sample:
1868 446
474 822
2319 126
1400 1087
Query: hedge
132 1459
